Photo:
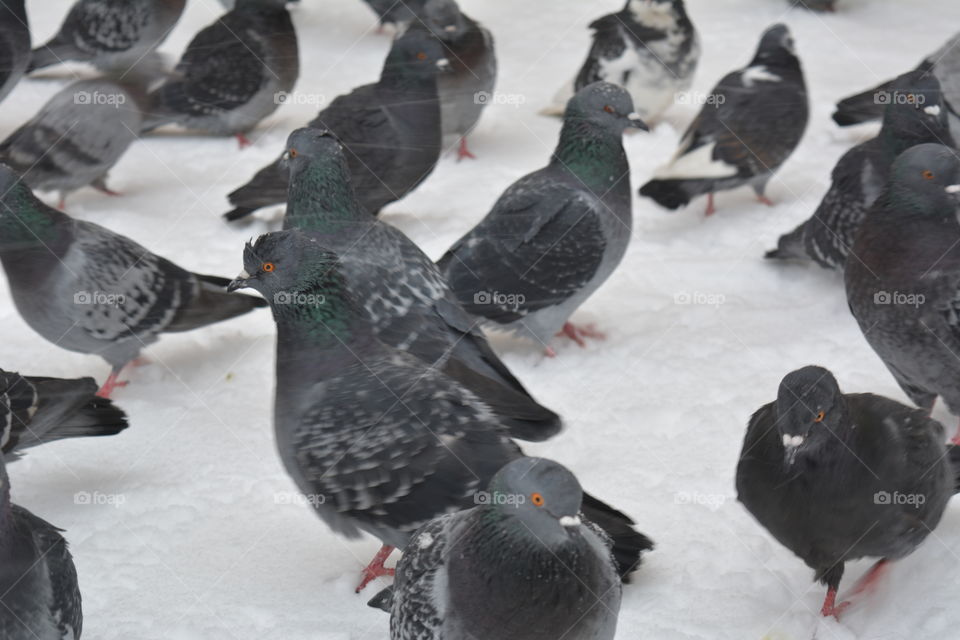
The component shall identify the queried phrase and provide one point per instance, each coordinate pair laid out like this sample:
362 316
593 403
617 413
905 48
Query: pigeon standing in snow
90 290
406 298
649 47
557 234
391 130
14 45
233 73
824 472
751 123
388 441
112 35
903 276
36 410
487 572
917 116
39 594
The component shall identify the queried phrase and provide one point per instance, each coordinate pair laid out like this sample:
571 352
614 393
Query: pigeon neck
26 224
592 154
321 316
901 131
399 77
321 198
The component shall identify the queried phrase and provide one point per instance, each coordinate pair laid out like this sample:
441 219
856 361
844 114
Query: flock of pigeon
390 403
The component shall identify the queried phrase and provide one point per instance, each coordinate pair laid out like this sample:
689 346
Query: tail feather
268 187
628 543
50 54
862 107
667 193
789 247
383 600
212 304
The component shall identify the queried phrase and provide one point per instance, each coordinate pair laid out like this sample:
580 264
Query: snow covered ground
192 530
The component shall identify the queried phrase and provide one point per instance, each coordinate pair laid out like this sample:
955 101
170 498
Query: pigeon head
656 14
776 48
443 19
415 54
916 109
925 182
605 105
320 192
810 410
540 494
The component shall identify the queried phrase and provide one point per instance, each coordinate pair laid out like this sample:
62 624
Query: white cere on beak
243 275
450 28
570 521
953 188
792 441
933 110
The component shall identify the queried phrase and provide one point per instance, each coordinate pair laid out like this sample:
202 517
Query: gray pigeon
112 35
381 441
233 74
405 296
522 565
90 290
39 595
903 276
751 123
650 47
77 137
391 130
14 45
36 410
399 13
918 115
836 477
557 234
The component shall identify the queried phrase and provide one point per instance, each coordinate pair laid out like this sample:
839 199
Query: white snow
180 535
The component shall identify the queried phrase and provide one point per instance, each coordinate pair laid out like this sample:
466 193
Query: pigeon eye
421 56
609 109
820 417
928 175
537 499
292 153
268 267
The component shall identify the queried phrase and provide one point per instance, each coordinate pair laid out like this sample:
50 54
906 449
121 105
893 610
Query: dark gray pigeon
36 410
382 441
405 296
557 234
522 565
77 137
112 35
87 289
234 73
398 13
14 45
836 477
39 594
650 47
917 116
391 130
903 276
751 123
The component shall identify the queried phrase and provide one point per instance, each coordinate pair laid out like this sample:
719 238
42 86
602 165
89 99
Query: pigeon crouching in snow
749 126
819 467
489 571
557 234
384 467
233 73
918 116
14 45
903 276
649 47
90 290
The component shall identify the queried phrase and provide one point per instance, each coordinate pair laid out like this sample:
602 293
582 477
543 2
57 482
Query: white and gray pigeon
233 73
557 234
39 594
77 137
748 127
391 130
917 116
406 298
90 290
35 410
382 440
112 35
903 276
650 47
14 45
523 565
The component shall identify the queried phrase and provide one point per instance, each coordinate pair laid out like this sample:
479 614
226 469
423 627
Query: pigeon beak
450 28
570 521
952 189
637 122
242 281
443 65
791 446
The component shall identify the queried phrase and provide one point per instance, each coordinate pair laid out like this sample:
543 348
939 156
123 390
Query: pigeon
77 137
903 276
406 298
751 123
468 88
382 442
36 410
391 130
14 45
90 290
944 63
489 571
233 74
650 47
112 35
556 234
917 116
399 13
837 477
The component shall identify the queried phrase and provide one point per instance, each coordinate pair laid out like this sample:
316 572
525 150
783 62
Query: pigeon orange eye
537 499
268 267
928 175
820 417
421 56
293 153
609 109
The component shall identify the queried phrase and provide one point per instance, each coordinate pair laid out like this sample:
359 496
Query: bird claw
376 569
578 333
110 385
464 152
243 141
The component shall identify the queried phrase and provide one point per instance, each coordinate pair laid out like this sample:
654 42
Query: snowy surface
192 532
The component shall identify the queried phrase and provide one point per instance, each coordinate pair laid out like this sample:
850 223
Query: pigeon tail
667 193
628 543
789 247
267 188
862 107
212 304
383 600
48 55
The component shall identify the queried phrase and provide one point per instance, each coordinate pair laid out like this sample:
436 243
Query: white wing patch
698 163
759 73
